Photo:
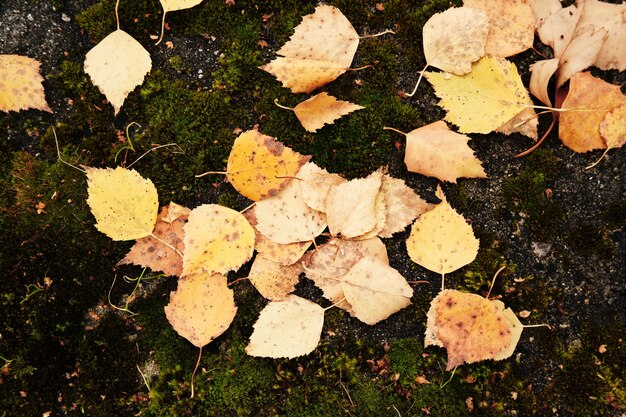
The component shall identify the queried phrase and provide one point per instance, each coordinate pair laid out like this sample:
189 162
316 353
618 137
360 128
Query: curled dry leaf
541 73
287 329
436 151
217 240
272 280
511 25
322 109
149 252
542 9
201 308
259 166
611 18
455 38
471 328
285 218
21 85
319 51
117 65
375 290
351 206
441 240
315 183
287 254
483 100
124 203
328 263
579 130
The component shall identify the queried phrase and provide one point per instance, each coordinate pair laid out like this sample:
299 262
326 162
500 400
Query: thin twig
154 149
56 141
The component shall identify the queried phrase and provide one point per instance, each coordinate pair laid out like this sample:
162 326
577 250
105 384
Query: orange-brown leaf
322 109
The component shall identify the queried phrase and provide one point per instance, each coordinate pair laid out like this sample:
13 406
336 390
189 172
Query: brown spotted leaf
471 328
21 85
274 281
201 308
149 252
259 166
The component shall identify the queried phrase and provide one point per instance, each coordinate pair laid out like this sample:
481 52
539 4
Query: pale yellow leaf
287 254
511 25
124 203
471 328
541 73
173 5
320 50
272 280
21 85
441 240
580 53
329 262
375 290
304 75
436 151
322 109
613 127
259 166
542 9
455 38
285 218
315 183
579 130
402 206
117 65
612 18
558 29
351 206
287 329
154 254
483 100
217 240
325 35
201 308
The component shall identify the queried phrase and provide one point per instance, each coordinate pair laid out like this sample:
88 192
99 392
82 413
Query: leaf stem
493 281
376 35
418 82
360 68
166 244
154 149
117 15
537 325
336 304
600 159
237 280
281 106
443 277
193 375
394 130
211 172
56 141
540 141
162 28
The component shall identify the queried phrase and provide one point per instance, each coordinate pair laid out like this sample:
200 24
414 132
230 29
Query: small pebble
30 17
65 18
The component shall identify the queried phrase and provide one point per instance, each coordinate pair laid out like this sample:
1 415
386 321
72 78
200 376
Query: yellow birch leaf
117 65
322 109
259 166
304 75
274 281
285 218
613 127
351 206
441 240
319 51
154 254
201 308
402 206
21 85
541 73
375 290
124 203
436 151
483 100
511 25
455 38
580 130
287 329
471 328
315 183
287 254
328 263
217 240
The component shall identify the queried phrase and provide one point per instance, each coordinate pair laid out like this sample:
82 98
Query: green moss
138 18
590 239
405 360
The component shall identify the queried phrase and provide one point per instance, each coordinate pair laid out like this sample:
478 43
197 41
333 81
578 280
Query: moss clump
589 239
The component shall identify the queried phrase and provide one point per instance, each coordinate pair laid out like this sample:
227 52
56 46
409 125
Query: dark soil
64 350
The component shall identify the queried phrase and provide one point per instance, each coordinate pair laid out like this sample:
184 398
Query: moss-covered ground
67 351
